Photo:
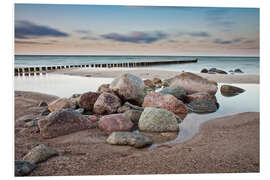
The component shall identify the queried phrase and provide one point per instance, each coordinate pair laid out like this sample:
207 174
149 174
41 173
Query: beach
222 145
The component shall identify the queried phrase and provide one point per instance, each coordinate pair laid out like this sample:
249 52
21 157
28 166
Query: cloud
220 41
88 38
194 34
136 37
81 31
26 29
32 42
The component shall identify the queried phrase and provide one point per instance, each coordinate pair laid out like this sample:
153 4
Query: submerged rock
88 99
107 103
228 90
193 83
167 101
177 91
39 153
204 70
238 71
114 122
23 168
64 122
42 104
129 88
59 104
128 138
158 120
199 95
203 106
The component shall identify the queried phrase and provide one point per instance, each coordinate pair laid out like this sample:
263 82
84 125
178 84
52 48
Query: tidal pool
65 86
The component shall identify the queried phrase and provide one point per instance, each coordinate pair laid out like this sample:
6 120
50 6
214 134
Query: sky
135 30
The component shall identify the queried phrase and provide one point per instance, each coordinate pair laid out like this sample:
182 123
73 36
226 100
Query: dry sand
150 74
227 144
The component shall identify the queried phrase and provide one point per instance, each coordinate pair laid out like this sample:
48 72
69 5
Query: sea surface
249 65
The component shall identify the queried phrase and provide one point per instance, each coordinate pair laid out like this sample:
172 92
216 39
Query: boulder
75 98
158 120
167 101
107 103
59 104
238 71
128 138
39 153
104 88
203 106
23 168
133 115
64 122
219 71
199 95
157 81
45 112
42 104
193 83
167 82
177 91
129 88
88 99
228 90
114 122
149 83
204 70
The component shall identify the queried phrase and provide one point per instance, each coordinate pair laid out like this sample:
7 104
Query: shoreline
220 146
162 74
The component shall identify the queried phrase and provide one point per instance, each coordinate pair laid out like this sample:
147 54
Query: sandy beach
227 144
150 74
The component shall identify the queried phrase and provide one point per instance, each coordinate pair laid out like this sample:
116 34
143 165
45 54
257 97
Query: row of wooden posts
44 69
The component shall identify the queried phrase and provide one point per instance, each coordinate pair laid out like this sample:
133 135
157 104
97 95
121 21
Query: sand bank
227 144
150 74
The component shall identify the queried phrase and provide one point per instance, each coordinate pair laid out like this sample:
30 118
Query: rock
129 88
114 122
204 70
128 106
107 103
228 91
238 71
157 81
147 90
133 115
104 88
160 138
128 138
149 83
199 95
45 112
158 120
75 98
167 82
177 91
64 122
42 104
23 168
59 104
203 106
39 153
193 83
167 101
212 69
87 100
219 71
31 124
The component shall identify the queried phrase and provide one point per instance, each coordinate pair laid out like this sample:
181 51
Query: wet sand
150 74
227 144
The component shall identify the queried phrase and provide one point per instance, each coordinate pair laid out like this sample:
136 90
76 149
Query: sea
249 65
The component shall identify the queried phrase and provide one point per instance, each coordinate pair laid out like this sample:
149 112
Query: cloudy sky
135 30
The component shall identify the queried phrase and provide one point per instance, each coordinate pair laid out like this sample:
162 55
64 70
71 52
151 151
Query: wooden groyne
20 71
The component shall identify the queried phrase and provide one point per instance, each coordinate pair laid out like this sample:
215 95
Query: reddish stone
87 100
168 102
107 103
199 95
114 122
58 104
149 83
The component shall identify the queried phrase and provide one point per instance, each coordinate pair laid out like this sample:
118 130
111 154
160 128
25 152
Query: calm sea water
249 65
